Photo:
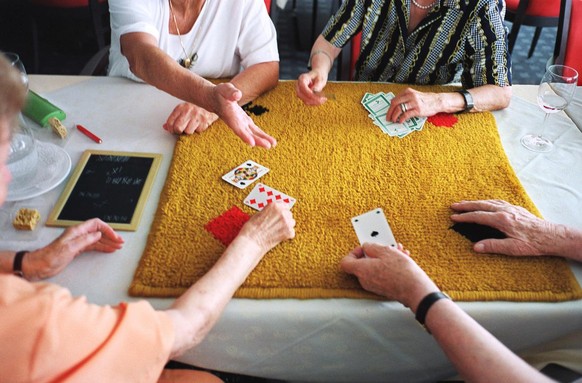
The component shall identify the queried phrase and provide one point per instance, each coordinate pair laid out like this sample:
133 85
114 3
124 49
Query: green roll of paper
40 109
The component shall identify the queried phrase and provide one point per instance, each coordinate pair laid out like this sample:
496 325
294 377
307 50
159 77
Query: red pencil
86 132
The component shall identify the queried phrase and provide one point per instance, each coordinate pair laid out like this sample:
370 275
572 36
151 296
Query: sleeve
257 41
129 16
53 336
345 23
488 60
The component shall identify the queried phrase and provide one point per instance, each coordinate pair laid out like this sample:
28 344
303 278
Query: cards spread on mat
262 195
377 105
245 174
373 227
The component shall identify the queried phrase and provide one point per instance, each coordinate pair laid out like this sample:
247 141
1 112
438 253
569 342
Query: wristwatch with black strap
425 304
17 265
469 104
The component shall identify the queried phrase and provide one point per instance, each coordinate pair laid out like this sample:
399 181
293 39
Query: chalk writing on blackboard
111 186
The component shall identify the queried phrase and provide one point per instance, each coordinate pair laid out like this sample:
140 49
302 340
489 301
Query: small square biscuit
58 127
26 219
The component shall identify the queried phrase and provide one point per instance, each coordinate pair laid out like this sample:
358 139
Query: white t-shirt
227 36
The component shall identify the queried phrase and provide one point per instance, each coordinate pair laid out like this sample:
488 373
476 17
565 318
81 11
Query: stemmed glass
22 144
555 92
16 62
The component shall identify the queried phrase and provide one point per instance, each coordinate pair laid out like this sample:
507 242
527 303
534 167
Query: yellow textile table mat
337 165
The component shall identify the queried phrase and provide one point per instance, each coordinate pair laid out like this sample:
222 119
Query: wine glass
16 62
22 157
555 92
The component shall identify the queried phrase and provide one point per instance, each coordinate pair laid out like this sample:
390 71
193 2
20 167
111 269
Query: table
335 340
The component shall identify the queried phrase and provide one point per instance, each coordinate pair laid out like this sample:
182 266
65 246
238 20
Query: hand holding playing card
263 195
271 226
389 272
417 104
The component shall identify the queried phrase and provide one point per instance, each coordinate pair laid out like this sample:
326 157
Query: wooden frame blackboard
113 186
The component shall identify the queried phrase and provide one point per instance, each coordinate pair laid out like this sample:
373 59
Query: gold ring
403 107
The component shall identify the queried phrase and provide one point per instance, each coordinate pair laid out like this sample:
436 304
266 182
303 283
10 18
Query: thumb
498 246
349 263
229 92
318 84
373 250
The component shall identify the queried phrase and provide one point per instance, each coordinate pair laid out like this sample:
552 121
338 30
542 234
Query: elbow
273 75
190 330
504 97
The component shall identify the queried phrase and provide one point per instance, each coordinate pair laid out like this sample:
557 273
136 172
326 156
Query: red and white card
262 195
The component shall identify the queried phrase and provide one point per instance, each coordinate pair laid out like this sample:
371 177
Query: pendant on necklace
188 62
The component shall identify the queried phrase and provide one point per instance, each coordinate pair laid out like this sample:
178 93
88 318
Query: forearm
477 355
323 55
256 80
486 98
196 311
155 67
567 243
6 261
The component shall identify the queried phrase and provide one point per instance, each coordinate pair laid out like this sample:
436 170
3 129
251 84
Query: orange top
47 335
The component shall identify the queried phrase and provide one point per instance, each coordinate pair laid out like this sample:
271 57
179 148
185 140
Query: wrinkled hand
309 87
225 98
271 226
189 119
527 234
87 236
418 104
389 272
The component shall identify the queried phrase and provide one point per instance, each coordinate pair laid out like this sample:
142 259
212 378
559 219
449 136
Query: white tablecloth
335 340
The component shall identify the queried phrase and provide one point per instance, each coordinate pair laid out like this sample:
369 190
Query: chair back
64 3
534 8
568 49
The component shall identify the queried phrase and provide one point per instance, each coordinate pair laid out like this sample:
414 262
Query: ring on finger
403 107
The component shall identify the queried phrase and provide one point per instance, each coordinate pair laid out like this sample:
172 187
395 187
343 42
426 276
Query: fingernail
479 247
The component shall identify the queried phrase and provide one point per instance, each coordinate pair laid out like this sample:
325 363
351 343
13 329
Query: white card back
372 227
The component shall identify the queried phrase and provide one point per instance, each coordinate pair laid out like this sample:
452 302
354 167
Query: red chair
568 49
346 68
535 13
51 13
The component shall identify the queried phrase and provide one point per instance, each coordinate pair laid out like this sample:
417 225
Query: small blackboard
112 186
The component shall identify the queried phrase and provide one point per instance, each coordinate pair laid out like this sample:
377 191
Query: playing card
377 105
245 174
373 227
262 195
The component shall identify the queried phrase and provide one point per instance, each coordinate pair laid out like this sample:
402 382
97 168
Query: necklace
425 7
189 60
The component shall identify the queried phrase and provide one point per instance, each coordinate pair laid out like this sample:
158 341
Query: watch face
468 100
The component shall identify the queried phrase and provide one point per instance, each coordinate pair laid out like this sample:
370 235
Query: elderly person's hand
91 235
271 226
309 87
412 103
225 99
389 272
189 119
527 234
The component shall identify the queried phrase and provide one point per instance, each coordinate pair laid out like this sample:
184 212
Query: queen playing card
262 195
245 174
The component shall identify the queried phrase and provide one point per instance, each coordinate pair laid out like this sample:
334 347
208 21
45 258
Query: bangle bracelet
425 304
17 265
317 52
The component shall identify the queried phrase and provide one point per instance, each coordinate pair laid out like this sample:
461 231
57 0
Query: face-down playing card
245 174
373 227
262 195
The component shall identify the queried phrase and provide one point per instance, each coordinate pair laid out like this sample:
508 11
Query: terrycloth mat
337 165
